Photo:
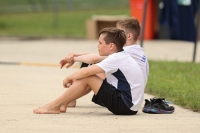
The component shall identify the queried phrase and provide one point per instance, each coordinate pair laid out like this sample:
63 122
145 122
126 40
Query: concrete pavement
30 77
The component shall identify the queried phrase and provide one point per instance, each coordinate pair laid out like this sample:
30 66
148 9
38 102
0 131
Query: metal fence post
195 43
143 22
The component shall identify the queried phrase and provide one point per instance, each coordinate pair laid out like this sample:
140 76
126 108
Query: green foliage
2 25
67 24
176 81
7 6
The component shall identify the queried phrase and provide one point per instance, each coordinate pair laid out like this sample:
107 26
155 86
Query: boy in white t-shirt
132 29
121 92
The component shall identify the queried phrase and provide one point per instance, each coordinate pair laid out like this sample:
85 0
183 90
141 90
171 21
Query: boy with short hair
121 92
132 29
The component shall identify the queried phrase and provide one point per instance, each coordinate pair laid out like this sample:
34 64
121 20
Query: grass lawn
68 24
177 82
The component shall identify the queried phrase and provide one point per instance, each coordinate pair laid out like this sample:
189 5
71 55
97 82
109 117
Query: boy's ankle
72 104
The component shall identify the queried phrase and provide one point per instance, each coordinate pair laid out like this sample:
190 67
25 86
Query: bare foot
46 109
63 109
72 104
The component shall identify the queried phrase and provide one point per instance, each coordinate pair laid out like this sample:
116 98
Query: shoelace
164 101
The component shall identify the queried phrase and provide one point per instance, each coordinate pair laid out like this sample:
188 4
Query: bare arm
89 58
69 59
81 73
82 54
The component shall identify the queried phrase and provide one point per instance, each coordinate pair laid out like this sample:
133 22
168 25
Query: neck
128 43
112 52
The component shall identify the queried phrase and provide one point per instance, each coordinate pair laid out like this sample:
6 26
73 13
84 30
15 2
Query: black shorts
84 65
109 97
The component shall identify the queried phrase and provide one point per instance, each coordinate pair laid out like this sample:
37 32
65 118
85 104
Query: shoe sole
156 111
146 110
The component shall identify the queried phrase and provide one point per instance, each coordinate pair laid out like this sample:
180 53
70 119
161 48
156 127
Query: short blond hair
130 25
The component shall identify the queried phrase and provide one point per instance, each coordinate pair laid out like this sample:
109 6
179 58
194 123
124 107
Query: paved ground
37 80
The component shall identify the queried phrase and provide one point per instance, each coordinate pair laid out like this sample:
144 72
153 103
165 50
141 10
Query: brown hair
130 25
114 35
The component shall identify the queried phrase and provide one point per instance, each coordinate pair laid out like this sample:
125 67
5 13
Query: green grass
177 82
69 23
76 4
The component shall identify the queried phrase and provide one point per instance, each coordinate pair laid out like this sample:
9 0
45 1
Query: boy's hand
64 61
67 83
69 59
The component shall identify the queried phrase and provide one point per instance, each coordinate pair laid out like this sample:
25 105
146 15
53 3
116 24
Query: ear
112 46
129 36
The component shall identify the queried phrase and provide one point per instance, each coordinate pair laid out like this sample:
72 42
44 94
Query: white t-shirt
136 51
123 72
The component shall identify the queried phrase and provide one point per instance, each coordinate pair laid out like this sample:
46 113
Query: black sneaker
147 106
160 106
157 106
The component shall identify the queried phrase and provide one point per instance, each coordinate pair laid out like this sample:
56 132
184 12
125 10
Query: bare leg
73 103
72 93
